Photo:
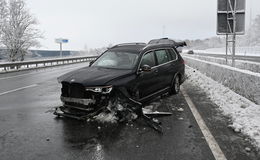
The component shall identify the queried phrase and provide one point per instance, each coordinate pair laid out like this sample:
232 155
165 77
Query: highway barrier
34 64
241 64
243 82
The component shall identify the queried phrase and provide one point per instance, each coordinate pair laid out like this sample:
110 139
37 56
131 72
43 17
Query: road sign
60 40
65 40
231 21
224 5
230 13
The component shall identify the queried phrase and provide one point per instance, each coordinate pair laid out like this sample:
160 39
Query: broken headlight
102 89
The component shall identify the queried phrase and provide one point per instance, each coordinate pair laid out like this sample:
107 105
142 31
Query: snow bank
245 114
243 82
247 65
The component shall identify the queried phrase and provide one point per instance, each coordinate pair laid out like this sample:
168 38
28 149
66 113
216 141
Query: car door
175 61
147 82
164 68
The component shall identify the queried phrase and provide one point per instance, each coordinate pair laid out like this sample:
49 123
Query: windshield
117 60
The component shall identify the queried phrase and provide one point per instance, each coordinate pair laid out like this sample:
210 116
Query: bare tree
3 14
18 30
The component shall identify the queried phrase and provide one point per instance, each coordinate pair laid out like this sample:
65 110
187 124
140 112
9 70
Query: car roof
143 47
129 47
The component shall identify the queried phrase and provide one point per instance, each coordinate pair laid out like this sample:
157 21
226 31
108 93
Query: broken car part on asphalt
122 108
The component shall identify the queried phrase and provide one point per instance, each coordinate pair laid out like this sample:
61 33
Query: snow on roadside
245 115
242 51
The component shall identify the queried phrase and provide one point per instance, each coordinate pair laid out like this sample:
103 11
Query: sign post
61 41
231 21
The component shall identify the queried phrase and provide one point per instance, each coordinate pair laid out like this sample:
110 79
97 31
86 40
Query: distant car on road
190 52
140 71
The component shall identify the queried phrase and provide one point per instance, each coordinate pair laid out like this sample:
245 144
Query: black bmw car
138 71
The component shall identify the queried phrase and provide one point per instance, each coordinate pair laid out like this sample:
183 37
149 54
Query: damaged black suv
137 71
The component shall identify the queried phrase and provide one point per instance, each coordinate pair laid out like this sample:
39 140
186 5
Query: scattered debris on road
120 108
180 109
237 130
248 149
180 118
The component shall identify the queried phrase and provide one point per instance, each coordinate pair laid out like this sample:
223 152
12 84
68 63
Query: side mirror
146 68
90 63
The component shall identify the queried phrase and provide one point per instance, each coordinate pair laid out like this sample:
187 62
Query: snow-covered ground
243 51
245 115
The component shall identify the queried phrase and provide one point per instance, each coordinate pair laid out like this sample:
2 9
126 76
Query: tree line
251 38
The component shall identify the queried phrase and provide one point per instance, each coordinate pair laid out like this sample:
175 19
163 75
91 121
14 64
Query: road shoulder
232 144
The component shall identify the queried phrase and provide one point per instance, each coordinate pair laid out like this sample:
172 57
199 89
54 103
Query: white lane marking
16 76
213 145
21 75
18 89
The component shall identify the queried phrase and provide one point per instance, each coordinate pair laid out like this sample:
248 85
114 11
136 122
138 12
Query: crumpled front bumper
78 100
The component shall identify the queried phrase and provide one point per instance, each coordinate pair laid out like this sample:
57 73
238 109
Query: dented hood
93 76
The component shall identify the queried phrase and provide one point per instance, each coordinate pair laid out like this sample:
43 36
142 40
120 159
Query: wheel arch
176 74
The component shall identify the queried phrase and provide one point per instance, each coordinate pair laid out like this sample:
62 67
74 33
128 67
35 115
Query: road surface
29 130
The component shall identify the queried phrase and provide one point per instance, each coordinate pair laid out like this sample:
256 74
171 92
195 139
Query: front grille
73 90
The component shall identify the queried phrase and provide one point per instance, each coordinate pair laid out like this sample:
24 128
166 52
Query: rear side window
148 59
173 54
162 56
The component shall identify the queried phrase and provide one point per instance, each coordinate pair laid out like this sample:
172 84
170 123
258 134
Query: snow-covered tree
254 32
3 14
18 30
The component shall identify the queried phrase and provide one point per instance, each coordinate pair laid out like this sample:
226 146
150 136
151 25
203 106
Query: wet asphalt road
29 130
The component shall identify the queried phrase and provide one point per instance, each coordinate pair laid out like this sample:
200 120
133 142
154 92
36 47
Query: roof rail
127 44
168 41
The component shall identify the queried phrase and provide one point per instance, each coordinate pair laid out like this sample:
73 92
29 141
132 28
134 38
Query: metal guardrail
14 66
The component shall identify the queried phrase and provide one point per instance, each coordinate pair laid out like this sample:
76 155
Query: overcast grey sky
97 23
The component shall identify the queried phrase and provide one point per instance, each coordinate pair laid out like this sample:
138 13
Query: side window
173 54
148 59
162 56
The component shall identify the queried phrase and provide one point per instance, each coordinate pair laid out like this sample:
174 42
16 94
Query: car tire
175 88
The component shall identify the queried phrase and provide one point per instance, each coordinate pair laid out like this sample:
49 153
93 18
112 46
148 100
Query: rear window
173 54
162 56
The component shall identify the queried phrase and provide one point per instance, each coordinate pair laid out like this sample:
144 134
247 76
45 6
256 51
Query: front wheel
175 88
